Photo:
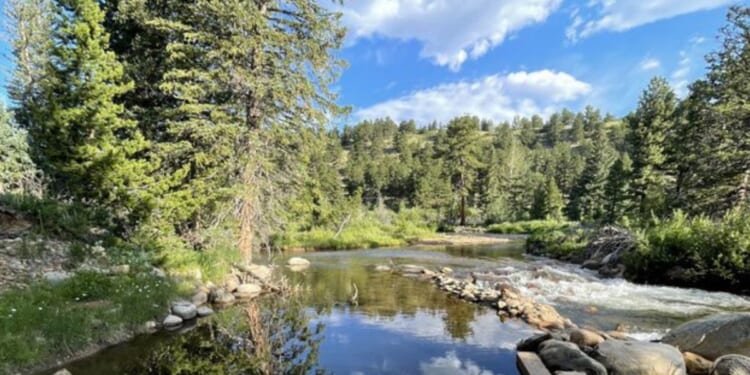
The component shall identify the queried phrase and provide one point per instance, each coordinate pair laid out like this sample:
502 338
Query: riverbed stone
204 311
62 372
731 364
297 261
221 297
696 365
248 291
565 356
199 298
260 272
585 338
184 309
713 336
639 358
532 343
382 268
56 277
231 282
172 321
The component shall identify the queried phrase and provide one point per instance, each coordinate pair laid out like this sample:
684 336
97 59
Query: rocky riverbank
715 345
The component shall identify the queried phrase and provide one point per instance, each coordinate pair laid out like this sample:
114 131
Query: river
406 326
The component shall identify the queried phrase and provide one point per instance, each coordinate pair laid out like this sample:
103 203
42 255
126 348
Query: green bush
697 252
529 227
568 244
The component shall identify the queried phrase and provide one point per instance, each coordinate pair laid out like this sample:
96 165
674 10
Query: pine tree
18 174
616 190
462 158
649 125
78 134
548 202
588 197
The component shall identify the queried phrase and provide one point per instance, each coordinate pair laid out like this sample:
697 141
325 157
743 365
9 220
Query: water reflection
450 364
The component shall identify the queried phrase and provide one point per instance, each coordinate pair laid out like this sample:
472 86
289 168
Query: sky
432 60
437 59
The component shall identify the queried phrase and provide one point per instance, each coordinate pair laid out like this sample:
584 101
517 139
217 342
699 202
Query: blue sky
436 59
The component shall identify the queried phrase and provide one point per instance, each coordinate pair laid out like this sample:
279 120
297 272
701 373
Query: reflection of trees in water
383 294
273 337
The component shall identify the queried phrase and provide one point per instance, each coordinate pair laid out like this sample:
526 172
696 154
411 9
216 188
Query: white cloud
650 64
496 97
679 77
450 364
451 31
620 15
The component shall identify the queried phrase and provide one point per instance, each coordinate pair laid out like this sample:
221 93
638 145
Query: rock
204 311
248 291
639 358
122 269
184 310
446 270
584 337
231 282
221 297
532 343
696 365
410 269
172 321
262 273
62 372
565 356
148 327
713 336
297 261
382 268
200 298
56 277
158 272
731 364
298 268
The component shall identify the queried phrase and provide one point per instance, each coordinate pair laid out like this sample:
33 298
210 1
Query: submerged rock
297 261
639 358
713 336
731 364
565 356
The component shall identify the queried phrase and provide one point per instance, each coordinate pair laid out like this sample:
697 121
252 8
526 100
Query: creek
400 325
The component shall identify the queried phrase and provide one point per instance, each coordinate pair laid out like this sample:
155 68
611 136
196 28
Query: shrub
568 244
529 227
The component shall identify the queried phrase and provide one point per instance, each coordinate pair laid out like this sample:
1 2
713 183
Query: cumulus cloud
650 64
497 97
679 77
450 364
620 15
451 31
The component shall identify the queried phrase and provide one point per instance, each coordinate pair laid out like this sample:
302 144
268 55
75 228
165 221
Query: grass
530 226
367 230
567 244
45 321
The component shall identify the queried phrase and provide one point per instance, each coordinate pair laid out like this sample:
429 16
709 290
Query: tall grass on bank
696 252
530 226
368 229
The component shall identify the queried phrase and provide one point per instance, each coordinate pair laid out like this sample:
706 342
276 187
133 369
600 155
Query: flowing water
405 326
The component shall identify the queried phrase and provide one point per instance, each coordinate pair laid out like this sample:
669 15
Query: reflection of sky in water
417 344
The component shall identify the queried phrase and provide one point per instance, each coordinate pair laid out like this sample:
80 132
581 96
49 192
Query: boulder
172 321
231 282
248 291
221 297
565 356
585 338
262 273
446 270
532 343
731 364
56 277
713 336
204 311
297 261
200 298
639 358
696 365
184 309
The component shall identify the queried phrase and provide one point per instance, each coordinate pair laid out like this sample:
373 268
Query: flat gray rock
713 336
639 358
